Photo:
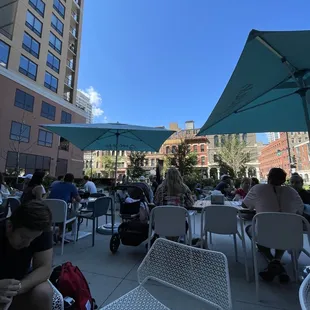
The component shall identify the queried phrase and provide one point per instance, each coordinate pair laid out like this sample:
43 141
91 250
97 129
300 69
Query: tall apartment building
273 136
83 102
39 62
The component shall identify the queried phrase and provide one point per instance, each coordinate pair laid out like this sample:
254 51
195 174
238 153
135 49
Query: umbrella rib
263 103
91 142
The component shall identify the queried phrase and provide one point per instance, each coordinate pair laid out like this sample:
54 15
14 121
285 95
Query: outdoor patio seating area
111 276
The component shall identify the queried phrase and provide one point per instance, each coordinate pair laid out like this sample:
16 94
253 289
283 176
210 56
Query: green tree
183 159
108 164
135 169
233 155
88 172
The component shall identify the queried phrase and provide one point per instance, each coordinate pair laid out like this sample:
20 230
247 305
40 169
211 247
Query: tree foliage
108 164
135 169
183 159
233 155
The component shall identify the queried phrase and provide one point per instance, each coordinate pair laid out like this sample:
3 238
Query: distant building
302 160
39 66
273 136
275 155
83 102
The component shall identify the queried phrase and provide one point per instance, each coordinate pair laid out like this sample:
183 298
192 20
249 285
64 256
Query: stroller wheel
114 243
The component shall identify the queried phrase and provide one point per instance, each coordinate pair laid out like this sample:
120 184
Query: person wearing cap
224 185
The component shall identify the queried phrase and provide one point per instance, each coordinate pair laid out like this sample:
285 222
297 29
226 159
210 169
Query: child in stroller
134 212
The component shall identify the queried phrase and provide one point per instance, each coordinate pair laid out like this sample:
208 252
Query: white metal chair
58 301
59 209
278 230
304 294
170 221
200 273
223 220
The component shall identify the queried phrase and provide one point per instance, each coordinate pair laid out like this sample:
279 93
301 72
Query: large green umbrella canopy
268 90
113 136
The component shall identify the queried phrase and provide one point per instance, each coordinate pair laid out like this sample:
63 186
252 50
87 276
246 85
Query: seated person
59 179
34 190
297 183
243 190
65 190
4 189
224 186
89 186
26 237
273 197
254 181
172 191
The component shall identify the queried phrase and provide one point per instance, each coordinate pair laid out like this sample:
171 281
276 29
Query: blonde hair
174 182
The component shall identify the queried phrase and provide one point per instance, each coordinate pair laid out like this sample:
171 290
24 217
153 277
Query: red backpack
71 282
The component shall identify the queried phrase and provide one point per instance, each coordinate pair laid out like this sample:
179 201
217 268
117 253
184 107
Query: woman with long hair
173 191
35 189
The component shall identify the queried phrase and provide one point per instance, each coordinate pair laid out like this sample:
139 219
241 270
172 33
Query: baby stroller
132 231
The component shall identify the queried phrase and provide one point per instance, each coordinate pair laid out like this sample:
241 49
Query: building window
45 138
203 160
30 163
293 140
174 149
28 68
57 24
222 140
20 132
51 82
31 45
4 54
24 100
60 8
34 24
153 162
66 117
55 43
167 149
195 148
48 111
299 140
216 141
53 62
202 148
38 5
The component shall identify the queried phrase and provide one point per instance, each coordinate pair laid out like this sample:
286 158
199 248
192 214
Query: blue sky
152 62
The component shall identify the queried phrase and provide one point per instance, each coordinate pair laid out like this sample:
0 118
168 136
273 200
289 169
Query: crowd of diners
27 240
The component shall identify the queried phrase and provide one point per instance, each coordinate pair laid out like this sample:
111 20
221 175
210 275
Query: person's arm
41 262
250 199
38 192
75 194
41 271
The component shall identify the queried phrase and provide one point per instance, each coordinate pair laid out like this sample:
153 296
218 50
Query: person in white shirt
4 189
89 186
273 197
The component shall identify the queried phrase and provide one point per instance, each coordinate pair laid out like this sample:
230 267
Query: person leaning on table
273 197
26 258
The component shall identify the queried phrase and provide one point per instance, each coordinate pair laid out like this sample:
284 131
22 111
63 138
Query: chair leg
78 228
94 230
245 258
97 222
295 265
63 238
75 229
255 263
235 246
210 235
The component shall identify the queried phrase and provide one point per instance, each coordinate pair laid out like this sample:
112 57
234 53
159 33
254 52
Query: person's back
90 187
63 191
270 198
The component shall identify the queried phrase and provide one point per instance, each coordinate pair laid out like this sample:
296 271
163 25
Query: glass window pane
4 54
32 68
23 63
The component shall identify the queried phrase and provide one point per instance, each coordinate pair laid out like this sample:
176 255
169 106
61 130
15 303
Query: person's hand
8 289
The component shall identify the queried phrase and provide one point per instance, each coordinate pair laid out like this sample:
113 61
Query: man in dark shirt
224 185
26 258
297 183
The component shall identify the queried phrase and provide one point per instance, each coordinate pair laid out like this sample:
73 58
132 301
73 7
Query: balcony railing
75 16
72 48
70 64
73 31
68 82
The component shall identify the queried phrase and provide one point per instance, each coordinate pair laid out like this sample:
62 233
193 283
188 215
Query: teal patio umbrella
268 90
112 137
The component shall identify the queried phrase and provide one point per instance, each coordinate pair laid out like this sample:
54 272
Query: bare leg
39 298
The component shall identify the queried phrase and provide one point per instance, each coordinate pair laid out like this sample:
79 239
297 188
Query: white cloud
95 100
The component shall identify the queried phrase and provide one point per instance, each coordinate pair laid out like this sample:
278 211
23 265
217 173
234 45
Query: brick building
275 155
302 158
